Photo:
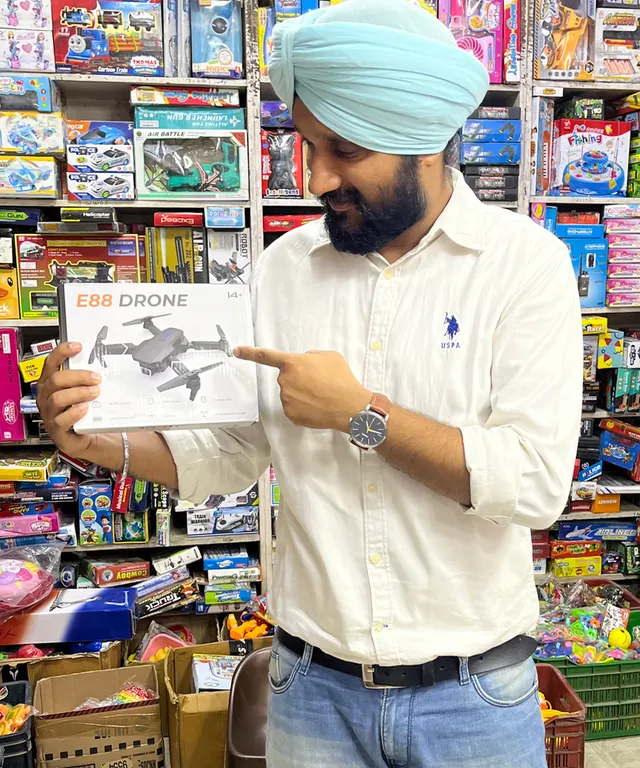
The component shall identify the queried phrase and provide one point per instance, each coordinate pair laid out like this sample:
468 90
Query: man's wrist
356 405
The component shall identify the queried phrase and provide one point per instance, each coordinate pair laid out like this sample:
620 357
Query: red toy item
23 583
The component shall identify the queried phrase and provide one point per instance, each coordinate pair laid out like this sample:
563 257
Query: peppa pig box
478 29
12 423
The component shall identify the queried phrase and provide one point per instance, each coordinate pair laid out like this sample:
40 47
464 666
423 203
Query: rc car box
185 97
112 736
188 118
177 255
98 145
100 186
197 165
282 166
26 50
173 372
12 423
229 256
30 177
46 261
108 37
32 133
29 92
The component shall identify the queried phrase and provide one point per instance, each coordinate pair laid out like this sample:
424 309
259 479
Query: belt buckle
367 679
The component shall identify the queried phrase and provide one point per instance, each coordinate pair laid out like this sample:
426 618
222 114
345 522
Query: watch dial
368 429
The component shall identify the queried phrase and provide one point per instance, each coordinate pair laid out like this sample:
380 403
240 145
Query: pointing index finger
271 357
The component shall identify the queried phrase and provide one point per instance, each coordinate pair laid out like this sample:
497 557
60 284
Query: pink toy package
12 424
512 41
623 240
27 575
623 300
27 525
628 226
625 255
477 26
623 270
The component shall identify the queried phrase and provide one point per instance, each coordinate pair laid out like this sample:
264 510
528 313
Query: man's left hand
317 389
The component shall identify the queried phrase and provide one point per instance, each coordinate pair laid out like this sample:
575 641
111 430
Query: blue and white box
589 259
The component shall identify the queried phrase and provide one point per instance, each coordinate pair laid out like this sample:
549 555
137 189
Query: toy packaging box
108 37
25 14
27 525
110 573
94 512
616 41
266 23
45 261
12 423
32 133
229 255
184 97
29 177
174 372
577 566
199 165
512 42
542 113
282 166
100 147
209 522
564 40
222 558
170 35
9 295
617 390
274 114
184 36
630 554
213 673
477 29
590 158
581 109
29 92
190 118
26 50
177 254
100 186
246 498
28 465
610 349
589 259
217 38
131 527
481 153
492 130
224 217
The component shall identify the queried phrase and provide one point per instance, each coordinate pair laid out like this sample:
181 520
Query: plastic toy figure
36 6
142 20
78 17
39 50
12 17
27 178
105 134
281 151
14 51
229 272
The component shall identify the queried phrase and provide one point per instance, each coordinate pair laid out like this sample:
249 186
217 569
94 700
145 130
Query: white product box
170 35
540 565
32 133
234 575
167 349
26 50
83 158
184 38
183 557
208 522
213 673
100 186
246 498
229 256
631 353
25 14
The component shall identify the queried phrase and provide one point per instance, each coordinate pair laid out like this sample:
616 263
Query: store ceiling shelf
626 510
540 578
28 323
11 202
578 200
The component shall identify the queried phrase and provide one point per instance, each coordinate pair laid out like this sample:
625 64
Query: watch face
368 429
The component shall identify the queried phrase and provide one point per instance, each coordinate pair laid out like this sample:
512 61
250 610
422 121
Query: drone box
100 186
168 354
282 165
191 165
44 261
229 255
26 50
31 133
177 254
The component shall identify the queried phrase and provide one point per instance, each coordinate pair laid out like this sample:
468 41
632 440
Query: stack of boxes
231 575
589 251
622 225
26 40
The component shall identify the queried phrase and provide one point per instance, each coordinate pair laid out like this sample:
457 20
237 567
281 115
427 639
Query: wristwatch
368 429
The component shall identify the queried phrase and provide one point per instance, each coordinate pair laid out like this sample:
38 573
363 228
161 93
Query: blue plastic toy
26 179
216 38
105 134
77 16
86 46
25 138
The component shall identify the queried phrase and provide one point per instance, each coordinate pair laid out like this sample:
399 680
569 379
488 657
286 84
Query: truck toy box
30 177
12 423
477 29
171 597
25 525
492 130
597 530
204 165
46 261
173 372
26 50
185 97
189 118
29 93
490 152
26 14
108 37
589 259
208 522
217 39
111 573
100 186
32 133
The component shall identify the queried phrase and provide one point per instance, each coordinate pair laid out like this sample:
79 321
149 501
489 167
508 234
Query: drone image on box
160 352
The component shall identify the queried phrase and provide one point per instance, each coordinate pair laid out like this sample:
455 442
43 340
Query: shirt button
376 345
388 274
372 488
378 627
375 558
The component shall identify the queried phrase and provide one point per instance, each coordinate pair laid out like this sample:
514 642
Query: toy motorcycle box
29 177
564 39
26 50
477 28
25 14
216 38
31 133
164 352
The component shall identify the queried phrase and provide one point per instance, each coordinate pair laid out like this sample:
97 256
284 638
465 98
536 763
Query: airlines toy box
597 530
164 352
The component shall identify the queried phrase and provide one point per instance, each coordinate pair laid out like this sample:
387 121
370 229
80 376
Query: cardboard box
29 92
611 349
116 572
32 133
27 464
562 549
589 260
126 735
184 97
606 503
100 186
209 522
28 50
177 255
99 146
282 166
229 256
597 530
186 118
9 295
55 666
12 423
577 566
197 721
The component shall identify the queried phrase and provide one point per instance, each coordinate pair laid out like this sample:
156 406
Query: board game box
164 353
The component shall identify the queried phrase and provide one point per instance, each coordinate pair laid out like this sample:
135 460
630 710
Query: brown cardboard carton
197 721
125 735
54 666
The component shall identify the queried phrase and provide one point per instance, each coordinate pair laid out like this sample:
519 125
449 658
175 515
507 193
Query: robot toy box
482 153
564 39
108 37
229 255
99 147
617 42
589 259
29 93
184 97
477 28
100 186
196 165
216 38
590 158
31 133
12 423
164 353
188 118
25 14
46 261
26 50
282 165
29 177
177 255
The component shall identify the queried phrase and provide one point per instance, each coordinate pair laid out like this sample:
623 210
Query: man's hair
452 152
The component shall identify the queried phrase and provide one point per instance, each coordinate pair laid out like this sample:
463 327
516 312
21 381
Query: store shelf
540 578
609 310
11 202
180 540
626 510
578 200
27 442
99 86
44 322
602 414
617 484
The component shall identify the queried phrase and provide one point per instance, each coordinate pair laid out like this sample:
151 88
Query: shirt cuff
187 451
492 457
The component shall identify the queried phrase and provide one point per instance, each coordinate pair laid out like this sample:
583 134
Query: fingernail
83 407
94 390
96 377
236 352
75 346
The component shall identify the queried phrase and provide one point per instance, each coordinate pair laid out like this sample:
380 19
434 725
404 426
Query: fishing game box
164 353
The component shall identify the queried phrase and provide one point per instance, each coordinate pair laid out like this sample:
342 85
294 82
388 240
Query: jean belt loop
307 658
465 678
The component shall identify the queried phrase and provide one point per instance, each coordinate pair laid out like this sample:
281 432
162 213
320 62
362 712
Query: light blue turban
383 74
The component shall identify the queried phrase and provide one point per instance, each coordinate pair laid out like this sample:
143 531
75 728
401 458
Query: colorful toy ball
23 583
619 638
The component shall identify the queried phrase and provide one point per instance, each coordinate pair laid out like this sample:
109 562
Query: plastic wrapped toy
27 576
30 133
14 718
130 693
216 38
28 177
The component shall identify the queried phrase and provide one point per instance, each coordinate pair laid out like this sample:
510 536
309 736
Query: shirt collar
460 221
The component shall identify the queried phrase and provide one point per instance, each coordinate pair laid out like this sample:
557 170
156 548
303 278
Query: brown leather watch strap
380 404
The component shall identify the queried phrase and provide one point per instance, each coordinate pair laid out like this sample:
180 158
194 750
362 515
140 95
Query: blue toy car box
29 92
186 118
98 146
618 450
224 558
492 130
589 259
480 153
216 39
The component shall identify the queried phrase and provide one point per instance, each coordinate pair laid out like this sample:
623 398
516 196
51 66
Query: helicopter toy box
29 92
174 164
589 259
564 39
164 353
25 14
108 37
29 177
100 186
31 133
590 158
26 50
216 38
99 146
477 28
45 261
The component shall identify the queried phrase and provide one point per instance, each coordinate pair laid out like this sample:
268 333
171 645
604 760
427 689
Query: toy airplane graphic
160 352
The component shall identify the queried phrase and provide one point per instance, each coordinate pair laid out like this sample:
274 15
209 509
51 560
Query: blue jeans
319 718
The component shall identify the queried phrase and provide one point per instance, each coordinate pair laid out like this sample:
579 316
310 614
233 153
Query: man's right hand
64 397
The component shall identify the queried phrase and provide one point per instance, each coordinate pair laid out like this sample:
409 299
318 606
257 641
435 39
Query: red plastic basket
564 737
634 602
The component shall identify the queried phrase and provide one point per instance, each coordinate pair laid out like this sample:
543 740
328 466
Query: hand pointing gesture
317 389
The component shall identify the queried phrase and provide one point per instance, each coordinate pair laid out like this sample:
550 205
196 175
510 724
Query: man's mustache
341 196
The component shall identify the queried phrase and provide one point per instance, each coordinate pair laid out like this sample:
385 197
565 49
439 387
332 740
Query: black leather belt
437 671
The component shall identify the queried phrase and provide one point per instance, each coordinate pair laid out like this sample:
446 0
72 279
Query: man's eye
347 154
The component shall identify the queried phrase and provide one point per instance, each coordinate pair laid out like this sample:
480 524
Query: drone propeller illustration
160 352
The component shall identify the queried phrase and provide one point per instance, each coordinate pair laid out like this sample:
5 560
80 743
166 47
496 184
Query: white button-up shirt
477 327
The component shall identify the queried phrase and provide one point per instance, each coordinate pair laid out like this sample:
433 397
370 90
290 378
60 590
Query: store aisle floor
614 753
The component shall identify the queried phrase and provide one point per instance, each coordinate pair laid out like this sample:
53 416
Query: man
420 389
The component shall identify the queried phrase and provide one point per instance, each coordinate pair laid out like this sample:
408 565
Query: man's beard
401 206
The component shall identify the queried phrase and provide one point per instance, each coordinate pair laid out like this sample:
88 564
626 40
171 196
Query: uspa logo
452 329
9 412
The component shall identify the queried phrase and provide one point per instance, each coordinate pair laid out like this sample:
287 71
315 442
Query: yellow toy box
9 296
611 349
595 324
577 566
24 464
31 368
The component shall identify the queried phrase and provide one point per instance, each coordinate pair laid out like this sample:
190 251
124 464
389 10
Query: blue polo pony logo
451 331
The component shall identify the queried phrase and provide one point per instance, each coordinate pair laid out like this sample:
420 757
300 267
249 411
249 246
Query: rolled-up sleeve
521 460
217 461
